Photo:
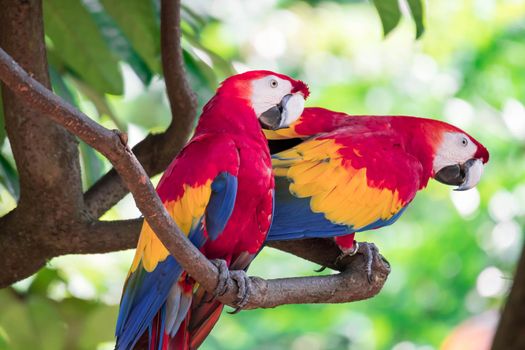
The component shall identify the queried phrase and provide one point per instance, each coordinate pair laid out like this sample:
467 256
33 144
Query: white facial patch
455 148
268 92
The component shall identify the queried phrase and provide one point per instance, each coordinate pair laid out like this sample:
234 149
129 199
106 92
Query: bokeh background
452 254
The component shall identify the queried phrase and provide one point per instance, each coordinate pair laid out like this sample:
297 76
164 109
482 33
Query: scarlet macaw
337 174
219 191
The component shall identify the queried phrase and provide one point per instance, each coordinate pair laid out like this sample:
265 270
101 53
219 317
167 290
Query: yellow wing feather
342 193
186 211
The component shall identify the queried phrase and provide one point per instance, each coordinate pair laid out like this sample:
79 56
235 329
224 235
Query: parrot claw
369 250
222 283
245 286
350 252
239 276
321 269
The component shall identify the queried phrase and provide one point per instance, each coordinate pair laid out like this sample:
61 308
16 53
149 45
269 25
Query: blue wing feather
294 218
220 206
146 292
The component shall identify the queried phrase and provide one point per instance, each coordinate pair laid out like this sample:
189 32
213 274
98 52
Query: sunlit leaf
418 14
43 279
79 43
9 177
2 123
194 20
119 43
98 327
92 164
48 327
16 322
219 63
389 13
137 20
101 103
60 87
201 76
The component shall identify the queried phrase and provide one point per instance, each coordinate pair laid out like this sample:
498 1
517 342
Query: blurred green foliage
452 254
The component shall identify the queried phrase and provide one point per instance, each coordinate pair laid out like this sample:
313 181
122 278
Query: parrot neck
229 114
420 142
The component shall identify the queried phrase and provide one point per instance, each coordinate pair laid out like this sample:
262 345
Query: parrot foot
369 250
245 286
349 252
239 276
224 272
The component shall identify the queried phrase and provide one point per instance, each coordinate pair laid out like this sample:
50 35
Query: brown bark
46 154
510 334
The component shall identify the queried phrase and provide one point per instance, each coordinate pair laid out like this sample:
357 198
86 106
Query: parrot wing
198 190
342 182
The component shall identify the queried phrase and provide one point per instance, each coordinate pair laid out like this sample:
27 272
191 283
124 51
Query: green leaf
60 87
80 45
16 322
92 164
9 177
389 13
416 8
48 328
194 20
43 279
201 76
217 61
138 22
101 103
2 123
98 327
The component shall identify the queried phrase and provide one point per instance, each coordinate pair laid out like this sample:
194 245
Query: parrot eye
273 83
464 141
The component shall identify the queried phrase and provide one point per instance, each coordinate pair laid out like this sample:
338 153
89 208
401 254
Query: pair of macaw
334 175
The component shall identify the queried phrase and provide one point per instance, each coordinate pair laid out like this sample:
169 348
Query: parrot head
276 99
458 158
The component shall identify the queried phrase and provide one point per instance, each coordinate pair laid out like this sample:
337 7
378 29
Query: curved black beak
453 175
465 175
273 118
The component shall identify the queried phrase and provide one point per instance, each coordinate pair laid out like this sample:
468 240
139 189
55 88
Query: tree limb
347 286
46 155
157 150
510 334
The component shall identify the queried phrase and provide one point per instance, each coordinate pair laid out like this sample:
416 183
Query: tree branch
347 286
156 151
510 334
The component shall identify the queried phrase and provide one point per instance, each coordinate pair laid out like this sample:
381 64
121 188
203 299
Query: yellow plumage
186 211
342 193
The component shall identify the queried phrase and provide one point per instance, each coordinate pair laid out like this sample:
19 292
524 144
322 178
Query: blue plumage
220 206
146 293
294 218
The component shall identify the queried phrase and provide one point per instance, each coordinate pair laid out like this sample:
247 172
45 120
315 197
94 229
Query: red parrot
219 191
337 174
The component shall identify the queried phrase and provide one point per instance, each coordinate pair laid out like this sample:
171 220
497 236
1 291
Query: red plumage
219 190
338 174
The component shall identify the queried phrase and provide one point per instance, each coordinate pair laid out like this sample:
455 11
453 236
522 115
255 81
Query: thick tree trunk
511 330
46 154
